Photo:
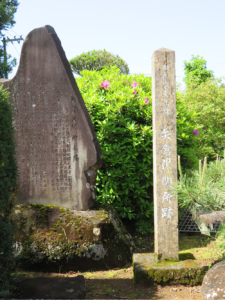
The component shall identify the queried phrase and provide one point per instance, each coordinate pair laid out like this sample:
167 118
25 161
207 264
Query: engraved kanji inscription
56 141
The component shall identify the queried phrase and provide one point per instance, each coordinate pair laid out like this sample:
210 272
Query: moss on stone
54 235
167 262
187 272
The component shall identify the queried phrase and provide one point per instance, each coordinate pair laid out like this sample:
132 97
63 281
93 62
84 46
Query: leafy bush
187 141
206 104
8 184
97 60
122 116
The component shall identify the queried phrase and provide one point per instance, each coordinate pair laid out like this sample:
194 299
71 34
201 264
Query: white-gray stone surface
213 285
164 153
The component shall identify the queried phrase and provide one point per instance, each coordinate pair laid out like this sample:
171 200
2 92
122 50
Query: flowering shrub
123 124
105 84
195 131
135 84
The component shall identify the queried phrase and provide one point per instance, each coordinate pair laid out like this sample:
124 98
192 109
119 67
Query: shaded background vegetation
8 184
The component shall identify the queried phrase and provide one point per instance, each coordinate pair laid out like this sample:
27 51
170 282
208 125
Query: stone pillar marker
151 267
164 153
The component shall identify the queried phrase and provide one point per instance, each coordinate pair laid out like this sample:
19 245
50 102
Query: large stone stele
50 238
213 285
58 151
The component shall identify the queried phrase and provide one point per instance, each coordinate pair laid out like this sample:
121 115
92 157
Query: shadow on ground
63 288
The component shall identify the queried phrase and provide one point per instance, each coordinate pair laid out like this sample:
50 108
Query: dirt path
118 284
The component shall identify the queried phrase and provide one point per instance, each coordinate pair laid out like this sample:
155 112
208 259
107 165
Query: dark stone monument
58 151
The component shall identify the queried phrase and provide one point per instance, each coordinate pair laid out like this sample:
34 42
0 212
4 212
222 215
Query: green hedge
8 184
122 118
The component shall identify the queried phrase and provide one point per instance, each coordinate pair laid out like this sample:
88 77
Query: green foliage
8 184
221 239
123 125
7 10
203 189
206 104
187 142
97 60
6 67
196 71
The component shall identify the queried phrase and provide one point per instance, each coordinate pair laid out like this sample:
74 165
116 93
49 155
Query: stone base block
147 269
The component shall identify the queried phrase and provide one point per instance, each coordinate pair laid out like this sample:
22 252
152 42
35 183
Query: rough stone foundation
147 268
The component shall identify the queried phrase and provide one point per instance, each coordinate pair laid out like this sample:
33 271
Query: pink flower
105 84
135 92
138 126
134 85
195 131
150 127
146 100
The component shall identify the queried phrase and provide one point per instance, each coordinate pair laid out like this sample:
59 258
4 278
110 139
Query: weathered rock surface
58 150
50 237
213 285
210 220
147 268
